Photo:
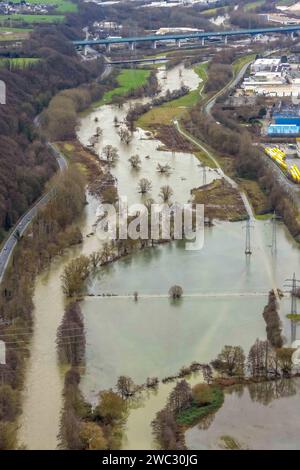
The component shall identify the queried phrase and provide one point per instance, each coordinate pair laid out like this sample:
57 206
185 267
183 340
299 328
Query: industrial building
265 65
283 129
286 120
272 77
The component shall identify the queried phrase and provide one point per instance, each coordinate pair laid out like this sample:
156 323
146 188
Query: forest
26 163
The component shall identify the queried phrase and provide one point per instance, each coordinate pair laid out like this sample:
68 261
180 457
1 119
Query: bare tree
180 397
175 292
166 192
126 387
99 131
95 259
231 361
260 359
124 134
110 153
163 168
144 186
135 161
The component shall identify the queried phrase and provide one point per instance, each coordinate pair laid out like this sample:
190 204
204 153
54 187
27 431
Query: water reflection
258 416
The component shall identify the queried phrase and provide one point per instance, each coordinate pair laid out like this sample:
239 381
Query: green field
14 34
15 30
19 62
127 80
29 19
63 6
253 5
167 112
239 63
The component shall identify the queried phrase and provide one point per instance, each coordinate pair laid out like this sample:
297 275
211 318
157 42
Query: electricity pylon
248 227
292 283
204 176
274 234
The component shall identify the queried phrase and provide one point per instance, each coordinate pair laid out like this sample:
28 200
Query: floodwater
225 293
258 416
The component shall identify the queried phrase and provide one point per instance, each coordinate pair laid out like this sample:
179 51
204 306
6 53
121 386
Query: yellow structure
277 155
294 173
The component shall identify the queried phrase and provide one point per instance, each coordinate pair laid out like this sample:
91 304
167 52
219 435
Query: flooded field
224 294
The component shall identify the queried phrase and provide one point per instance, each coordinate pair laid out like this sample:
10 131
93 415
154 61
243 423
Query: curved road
27 218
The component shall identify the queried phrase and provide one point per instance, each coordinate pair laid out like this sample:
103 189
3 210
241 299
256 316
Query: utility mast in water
293 284
248 238
204 176
274 234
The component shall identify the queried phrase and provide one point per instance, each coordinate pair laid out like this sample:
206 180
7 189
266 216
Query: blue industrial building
286 120
283 129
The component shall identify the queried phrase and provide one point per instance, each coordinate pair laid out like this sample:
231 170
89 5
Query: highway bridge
154 38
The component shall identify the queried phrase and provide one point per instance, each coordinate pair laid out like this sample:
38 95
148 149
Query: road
232 84
24 221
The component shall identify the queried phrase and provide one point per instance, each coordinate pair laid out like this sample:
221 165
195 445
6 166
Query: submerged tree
166 192
163 168
124 134
144 186
175 292
74 275
180 397
110 153
135 161
231 361
126 386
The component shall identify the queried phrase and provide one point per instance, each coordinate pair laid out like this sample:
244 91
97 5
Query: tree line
26 163
53 230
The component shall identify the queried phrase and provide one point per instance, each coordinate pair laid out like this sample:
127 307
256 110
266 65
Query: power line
292 283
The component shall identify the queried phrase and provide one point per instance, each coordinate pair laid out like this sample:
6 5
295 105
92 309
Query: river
225 293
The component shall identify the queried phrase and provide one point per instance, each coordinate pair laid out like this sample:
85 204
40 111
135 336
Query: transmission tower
292 283
248 227
274 234
204 176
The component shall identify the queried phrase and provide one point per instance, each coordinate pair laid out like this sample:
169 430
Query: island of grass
294 317
128 80
211 399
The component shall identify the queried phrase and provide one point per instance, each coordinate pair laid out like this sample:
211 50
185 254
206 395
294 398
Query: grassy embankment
128 80
194 413
174 109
